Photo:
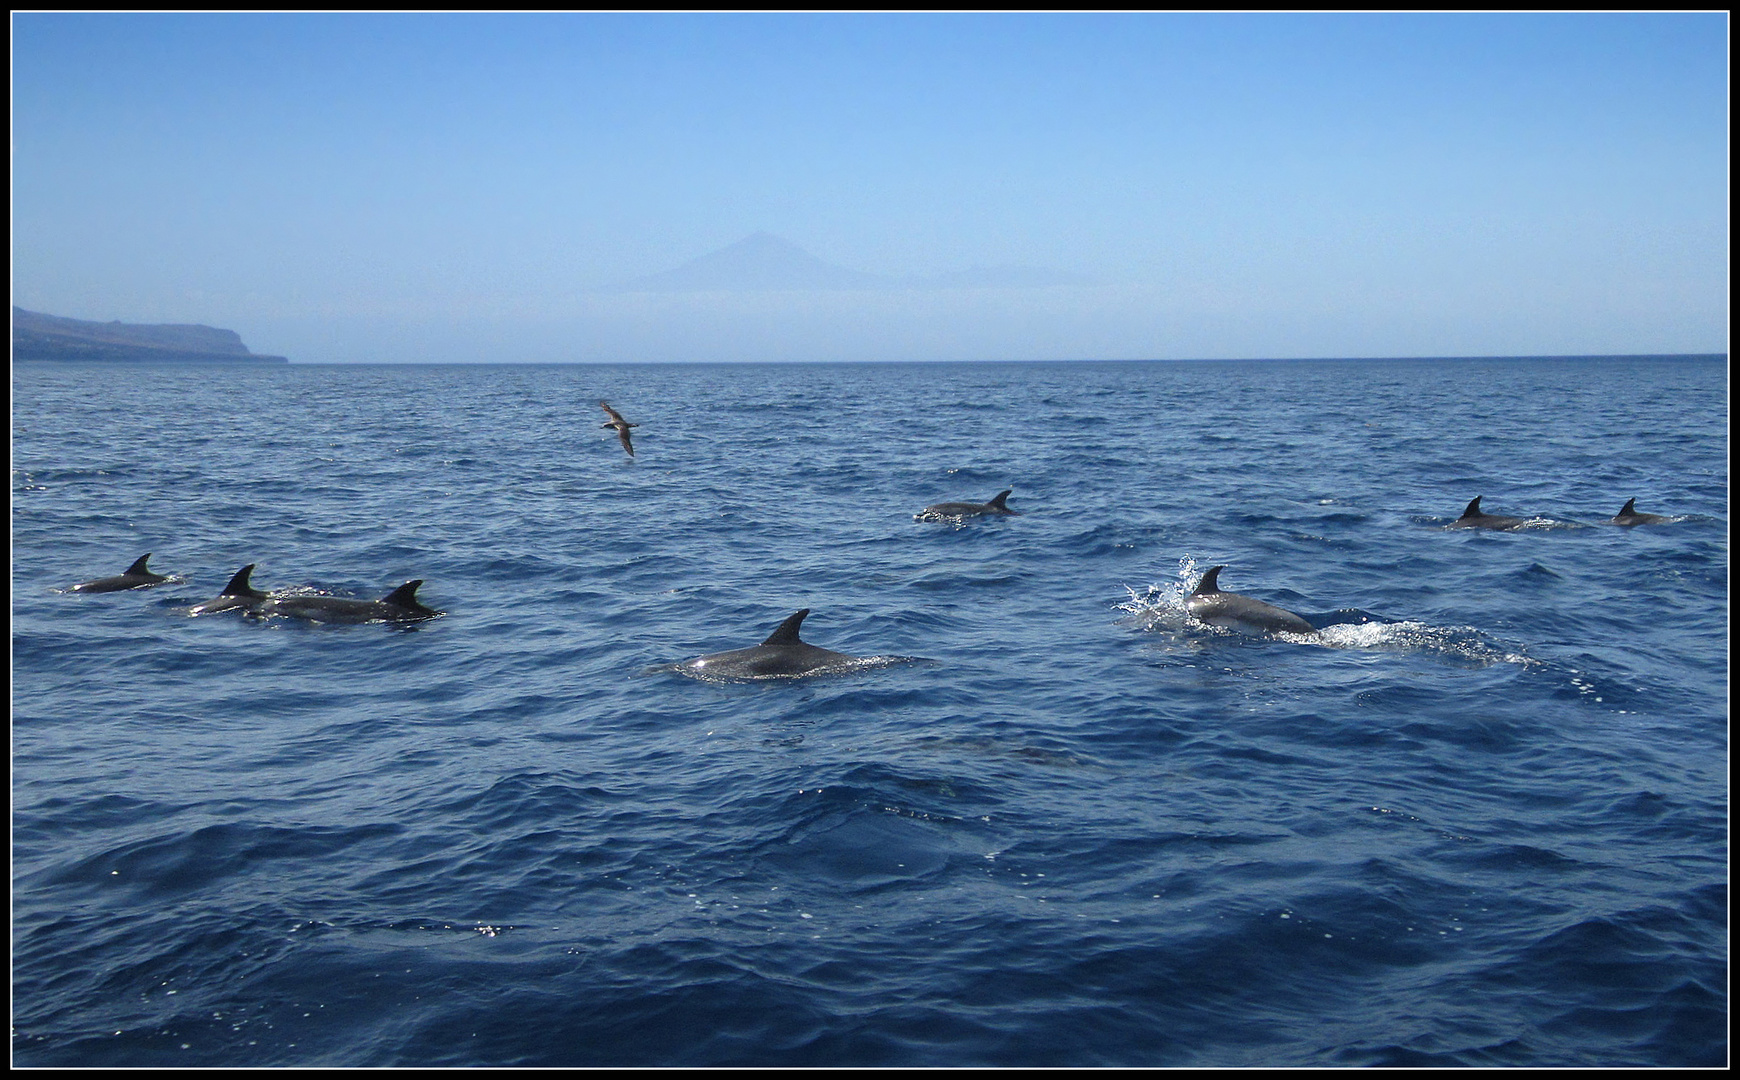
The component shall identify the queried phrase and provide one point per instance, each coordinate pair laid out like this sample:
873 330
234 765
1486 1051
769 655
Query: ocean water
1479 818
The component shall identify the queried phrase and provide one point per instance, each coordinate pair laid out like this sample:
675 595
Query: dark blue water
1480 819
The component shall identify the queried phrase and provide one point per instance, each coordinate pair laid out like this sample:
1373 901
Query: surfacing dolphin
138 576
400 605
940 511
239 593
1472 518
1628 516
621 426
1217 608
782 656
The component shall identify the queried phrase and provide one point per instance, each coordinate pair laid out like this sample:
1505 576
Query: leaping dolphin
138 576
621 426
966 509
781 655
239 593
1217 608
400 605
1472 518
1629 516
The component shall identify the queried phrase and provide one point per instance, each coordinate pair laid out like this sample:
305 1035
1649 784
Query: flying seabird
621 426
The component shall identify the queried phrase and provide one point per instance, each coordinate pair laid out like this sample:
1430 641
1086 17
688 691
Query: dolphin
621 426
967 509
781 655
237 594
400 605
1472 518
1217 608
138 576
1629 516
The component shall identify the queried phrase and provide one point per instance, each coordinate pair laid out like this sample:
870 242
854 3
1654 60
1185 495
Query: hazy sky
469 187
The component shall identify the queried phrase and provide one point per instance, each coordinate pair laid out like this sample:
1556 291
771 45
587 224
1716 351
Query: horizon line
1054 360
253 359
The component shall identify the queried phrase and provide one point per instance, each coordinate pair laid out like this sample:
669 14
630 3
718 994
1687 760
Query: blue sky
469 187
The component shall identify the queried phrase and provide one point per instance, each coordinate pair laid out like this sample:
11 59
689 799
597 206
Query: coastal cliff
36 336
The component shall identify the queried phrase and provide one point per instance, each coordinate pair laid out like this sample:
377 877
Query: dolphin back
1629 515
137 576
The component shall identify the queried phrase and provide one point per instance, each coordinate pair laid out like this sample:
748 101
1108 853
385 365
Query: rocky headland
36 336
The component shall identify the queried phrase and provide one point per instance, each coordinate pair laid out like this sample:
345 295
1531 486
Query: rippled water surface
1477 818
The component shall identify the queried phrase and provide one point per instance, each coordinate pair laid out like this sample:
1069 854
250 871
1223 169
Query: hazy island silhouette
36 336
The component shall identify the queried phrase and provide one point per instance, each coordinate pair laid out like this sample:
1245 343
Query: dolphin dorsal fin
140 567
1630 507
405 595
787 634
1473 508
1210 582
239 585
997 503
